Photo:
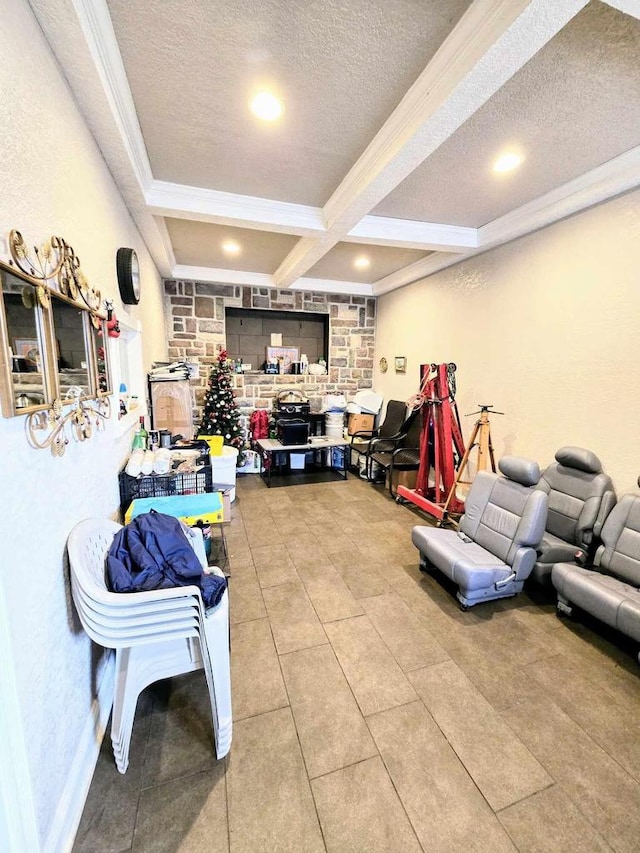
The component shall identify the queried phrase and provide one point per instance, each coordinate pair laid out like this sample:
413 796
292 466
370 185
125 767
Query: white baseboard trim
71 803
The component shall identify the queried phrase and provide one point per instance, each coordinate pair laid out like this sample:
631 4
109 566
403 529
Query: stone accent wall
195 315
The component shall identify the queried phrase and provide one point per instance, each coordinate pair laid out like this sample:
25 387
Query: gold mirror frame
53 271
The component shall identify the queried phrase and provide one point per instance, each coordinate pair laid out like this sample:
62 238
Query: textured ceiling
340 67
395 111
199 244
337 264
575 105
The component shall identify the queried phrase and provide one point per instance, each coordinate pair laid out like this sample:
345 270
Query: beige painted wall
546 328
56 182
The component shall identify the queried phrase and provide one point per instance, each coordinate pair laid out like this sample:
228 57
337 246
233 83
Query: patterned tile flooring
371 714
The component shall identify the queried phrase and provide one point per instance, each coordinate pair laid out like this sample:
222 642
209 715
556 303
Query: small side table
267 447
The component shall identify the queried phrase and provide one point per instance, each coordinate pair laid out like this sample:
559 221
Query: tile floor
371 714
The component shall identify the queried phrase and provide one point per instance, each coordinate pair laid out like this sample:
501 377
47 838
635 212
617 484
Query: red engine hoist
440 442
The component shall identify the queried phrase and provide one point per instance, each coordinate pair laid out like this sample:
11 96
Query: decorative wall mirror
103 374
53 358
71 350
24 386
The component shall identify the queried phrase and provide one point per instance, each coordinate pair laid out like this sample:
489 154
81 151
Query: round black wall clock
128 272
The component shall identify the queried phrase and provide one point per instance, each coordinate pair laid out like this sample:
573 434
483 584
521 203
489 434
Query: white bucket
334 424
362 468
223 468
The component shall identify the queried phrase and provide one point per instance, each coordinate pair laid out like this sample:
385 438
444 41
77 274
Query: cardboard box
172 407
361 422
403 478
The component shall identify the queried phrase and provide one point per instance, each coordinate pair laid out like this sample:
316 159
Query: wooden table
322 450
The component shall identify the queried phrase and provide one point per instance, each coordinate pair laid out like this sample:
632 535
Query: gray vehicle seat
580 499
608 589
493 552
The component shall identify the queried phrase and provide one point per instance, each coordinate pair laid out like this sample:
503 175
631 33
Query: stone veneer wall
195 315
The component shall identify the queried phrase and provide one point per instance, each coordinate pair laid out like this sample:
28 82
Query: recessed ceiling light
230 247
361 263
507 161
266 106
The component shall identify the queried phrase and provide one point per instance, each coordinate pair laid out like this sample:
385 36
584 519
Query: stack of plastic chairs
156 634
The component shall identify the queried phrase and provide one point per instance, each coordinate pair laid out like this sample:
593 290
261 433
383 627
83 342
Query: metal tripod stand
480 438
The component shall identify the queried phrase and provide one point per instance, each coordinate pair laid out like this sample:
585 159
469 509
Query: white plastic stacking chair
156 634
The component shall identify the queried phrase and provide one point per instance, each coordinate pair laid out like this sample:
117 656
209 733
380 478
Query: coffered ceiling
380 169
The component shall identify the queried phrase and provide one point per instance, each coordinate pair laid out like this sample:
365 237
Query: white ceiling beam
630 7
212 275
241 211
412 234
465 72
205 205
606 181
328 285
491 42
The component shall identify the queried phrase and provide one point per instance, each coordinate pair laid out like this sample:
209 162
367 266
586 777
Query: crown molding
328 285
629 7
212 275
200 204
600 184
242 211
491 42
219 276
168 259
412 234
493 39
419 270
81 36
97 27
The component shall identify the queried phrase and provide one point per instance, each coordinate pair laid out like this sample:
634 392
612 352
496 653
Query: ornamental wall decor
53 356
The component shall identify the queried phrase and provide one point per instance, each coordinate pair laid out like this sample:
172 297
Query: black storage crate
160 486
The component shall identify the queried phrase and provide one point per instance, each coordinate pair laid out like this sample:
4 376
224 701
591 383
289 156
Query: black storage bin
160 486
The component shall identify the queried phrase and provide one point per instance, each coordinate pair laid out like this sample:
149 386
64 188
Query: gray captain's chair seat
552 550
609 588
580 499
493 552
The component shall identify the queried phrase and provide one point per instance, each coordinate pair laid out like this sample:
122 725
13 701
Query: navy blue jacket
152 552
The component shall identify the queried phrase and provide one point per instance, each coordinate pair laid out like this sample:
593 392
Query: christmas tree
221 415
